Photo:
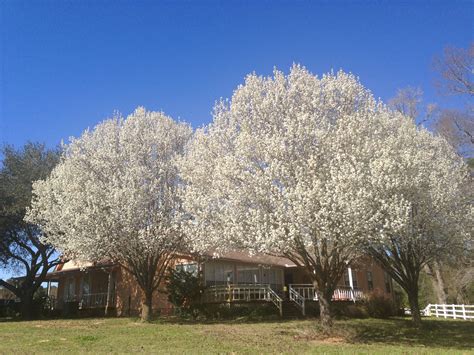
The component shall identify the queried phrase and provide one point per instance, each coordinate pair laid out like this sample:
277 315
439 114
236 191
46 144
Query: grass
126 335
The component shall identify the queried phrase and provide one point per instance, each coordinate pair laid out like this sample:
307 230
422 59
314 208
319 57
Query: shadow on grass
8 319
401 332
237 320
438 333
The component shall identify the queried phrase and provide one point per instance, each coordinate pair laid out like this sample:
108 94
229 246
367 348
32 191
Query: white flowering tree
421 203
278 171
113 197
317 171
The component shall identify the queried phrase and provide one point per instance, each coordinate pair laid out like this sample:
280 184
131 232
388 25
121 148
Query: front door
288 282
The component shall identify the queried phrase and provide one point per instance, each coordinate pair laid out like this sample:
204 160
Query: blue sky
66 65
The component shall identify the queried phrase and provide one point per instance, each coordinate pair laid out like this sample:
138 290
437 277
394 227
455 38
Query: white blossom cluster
113 195
315 168
310 168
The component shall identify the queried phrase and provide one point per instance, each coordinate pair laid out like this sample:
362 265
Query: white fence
454 311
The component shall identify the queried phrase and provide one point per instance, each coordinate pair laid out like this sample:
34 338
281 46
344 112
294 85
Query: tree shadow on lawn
437 333
433 333
210 321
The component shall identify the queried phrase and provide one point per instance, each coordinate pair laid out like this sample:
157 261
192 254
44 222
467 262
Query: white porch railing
296 297
454 311
242 293
342 293
299 293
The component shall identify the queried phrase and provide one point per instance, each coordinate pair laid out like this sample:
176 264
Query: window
86 285
273 277
248 274
347 281
191 268
387 282
370 281
70 290
218 273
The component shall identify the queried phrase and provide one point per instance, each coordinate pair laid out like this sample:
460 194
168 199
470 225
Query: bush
249 311
9 308
70 309
380 306
349 309
184 292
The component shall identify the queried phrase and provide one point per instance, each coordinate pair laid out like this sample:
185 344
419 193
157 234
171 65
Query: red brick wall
129 296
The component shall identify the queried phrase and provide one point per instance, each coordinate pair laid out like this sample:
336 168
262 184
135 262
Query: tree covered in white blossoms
114 197
274 171
421 199
313 169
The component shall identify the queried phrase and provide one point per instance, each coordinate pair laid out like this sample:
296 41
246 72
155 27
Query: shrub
184 292
349 309
9 308
380 306
248 311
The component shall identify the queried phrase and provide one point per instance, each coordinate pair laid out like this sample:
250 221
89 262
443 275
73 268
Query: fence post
464 312
428 310
436 310
444 311
454 311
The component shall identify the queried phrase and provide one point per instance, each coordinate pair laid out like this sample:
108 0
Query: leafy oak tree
22 251
113 196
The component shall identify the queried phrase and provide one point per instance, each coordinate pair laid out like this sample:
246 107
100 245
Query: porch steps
291 310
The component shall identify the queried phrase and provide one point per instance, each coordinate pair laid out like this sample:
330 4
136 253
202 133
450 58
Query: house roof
239 256
76 265
246 257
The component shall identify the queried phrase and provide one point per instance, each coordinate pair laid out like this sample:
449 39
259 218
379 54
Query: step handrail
298 299
275 299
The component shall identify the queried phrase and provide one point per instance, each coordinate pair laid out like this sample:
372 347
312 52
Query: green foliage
380 306
350 309
19 169
245 311
470 162
21 247
184 291
426 293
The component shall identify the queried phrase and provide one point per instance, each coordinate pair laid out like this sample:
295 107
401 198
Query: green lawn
125 335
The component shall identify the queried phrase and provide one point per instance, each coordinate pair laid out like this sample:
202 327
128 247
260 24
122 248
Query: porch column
49 288
109 293
351 282
81 287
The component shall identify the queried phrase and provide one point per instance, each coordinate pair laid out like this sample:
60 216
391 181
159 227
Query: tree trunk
437 280
441 289
147 310
324 298
26 307
109 294
414 307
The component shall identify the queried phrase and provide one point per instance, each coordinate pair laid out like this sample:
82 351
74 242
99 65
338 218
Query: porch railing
296 297
91 300
299 293
242 293
341 293
96 300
